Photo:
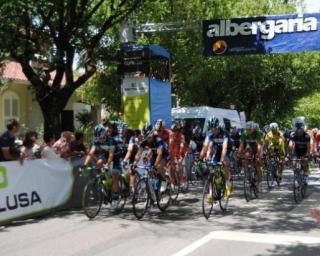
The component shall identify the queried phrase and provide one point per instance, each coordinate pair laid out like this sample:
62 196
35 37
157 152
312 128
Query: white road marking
274 239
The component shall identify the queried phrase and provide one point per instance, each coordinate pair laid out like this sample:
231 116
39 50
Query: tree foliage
46 37
266 87
309 107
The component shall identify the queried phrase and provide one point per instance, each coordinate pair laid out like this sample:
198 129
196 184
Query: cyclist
275 142
317 143
235 137
133 148
314 141
219 150
299 145
251 145
103 153
161 131
197 139
157 150
177 150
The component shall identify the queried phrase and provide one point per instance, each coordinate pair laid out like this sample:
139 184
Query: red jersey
175 144
165 135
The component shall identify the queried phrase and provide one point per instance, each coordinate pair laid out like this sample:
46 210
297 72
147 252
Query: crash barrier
39 187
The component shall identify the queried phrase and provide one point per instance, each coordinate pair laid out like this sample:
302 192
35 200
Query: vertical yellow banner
135 96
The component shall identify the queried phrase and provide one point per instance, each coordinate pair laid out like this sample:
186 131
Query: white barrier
36 186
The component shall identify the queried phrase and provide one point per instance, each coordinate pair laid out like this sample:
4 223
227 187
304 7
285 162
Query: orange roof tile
13 70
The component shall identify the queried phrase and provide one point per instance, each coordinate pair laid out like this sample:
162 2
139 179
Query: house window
10 106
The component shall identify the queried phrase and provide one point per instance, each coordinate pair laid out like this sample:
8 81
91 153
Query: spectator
77 148
48 152
30 148
62 146
8 149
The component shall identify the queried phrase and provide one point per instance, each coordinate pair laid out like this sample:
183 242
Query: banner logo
267 29
219 47
262 35
3 177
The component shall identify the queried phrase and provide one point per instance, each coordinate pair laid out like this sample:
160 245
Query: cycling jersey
164 134
235 139
317 141
198 140
154 145
276 141
134 146
300 143
217 143
120 151
99 134
175 144
251 140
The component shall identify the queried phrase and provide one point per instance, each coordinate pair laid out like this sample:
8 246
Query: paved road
272 225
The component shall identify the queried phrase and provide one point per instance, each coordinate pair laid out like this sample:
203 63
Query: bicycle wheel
255 183
175 186
247 185
297 183
163 195
92 198
221 195
207 198
123 193
303 186
141 198
278 175
270 175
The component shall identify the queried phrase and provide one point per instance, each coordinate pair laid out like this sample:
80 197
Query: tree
46 37
308 107
103 88
266 87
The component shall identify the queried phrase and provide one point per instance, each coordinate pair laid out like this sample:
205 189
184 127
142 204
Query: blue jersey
154 145
218 140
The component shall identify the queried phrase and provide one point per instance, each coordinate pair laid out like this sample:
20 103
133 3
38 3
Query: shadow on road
297 250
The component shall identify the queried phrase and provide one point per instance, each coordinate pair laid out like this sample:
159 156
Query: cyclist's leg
259 165
115 180
227 174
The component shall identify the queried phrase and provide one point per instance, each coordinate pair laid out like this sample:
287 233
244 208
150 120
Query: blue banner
264 35
160 101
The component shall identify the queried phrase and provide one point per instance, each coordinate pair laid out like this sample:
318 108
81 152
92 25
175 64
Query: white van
200 116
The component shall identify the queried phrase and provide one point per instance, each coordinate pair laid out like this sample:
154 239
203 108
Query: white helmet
315 130
274 126
250 125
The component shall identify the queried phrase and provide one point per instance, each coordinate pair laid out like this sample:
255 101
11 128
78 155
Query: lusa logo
15 201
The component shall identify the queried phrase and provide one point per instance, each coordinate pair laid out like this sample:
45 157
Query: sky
312 5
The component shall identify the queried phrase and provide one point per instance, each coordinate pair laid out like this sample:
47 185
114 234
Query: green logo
3 177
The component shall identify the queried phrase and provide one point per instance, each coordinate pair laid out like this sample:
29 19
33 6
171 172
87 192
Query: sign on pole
264 35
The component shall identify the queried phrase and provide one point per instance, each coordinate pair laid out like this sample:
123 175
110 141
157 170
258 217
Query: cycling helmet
256 126
299 123
214 122
147 130
159 124
274 127
197 130
122 126
250 125
266 129
176 126
315 130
